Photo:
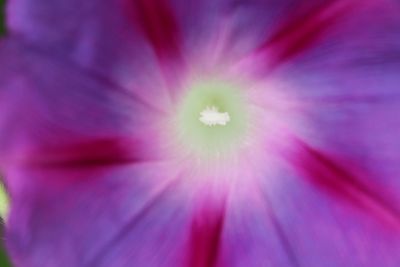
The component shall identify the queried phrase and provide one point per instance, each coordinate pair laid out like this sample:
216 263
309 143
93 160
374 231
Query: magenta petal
302 30
81 152
321 31
100 37
345 184
321 229
252 235
349 94
134 213
159 25
206 236
339 204
51 112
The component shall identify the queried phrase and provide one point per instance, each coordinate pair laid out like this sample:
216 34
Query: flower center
212 118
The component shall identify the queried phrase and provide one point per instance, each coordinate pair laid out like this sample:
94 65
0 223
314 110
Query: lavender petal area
171 133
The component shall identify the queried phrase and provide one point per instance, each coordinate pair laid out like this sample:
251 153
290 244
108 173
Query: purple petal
348 91
322 229
103 38
51 112
81 151
131 216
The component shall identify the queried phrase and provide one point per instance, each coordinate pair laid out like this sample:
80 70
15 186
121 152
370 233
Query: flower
117 150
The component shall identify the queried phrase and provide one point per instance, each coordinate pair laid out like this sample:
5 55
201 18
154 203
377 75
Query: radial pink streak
159 25
336 177
300 31
205 237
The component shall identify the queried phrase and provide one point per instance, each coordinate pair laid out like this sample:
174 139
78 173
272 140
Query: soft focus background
3 258
2 26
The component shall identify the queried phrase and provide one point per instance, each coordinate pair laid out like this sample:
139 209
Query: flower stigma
212 117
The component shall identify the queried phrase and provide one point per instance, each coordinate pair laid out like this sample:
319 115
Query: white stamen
211 117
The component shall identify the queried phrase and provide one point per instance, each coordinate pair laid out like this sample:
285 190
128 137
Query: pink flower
215 133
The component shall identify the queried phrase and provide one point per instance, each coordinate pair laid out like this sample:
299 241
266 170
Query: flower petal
346 145
87 138
52 112
309 31
326 230
116 216
302 30
101 37
348 93
252 235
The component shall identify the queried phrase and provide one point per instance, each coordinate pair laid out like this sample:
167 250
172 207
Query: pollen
210 116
